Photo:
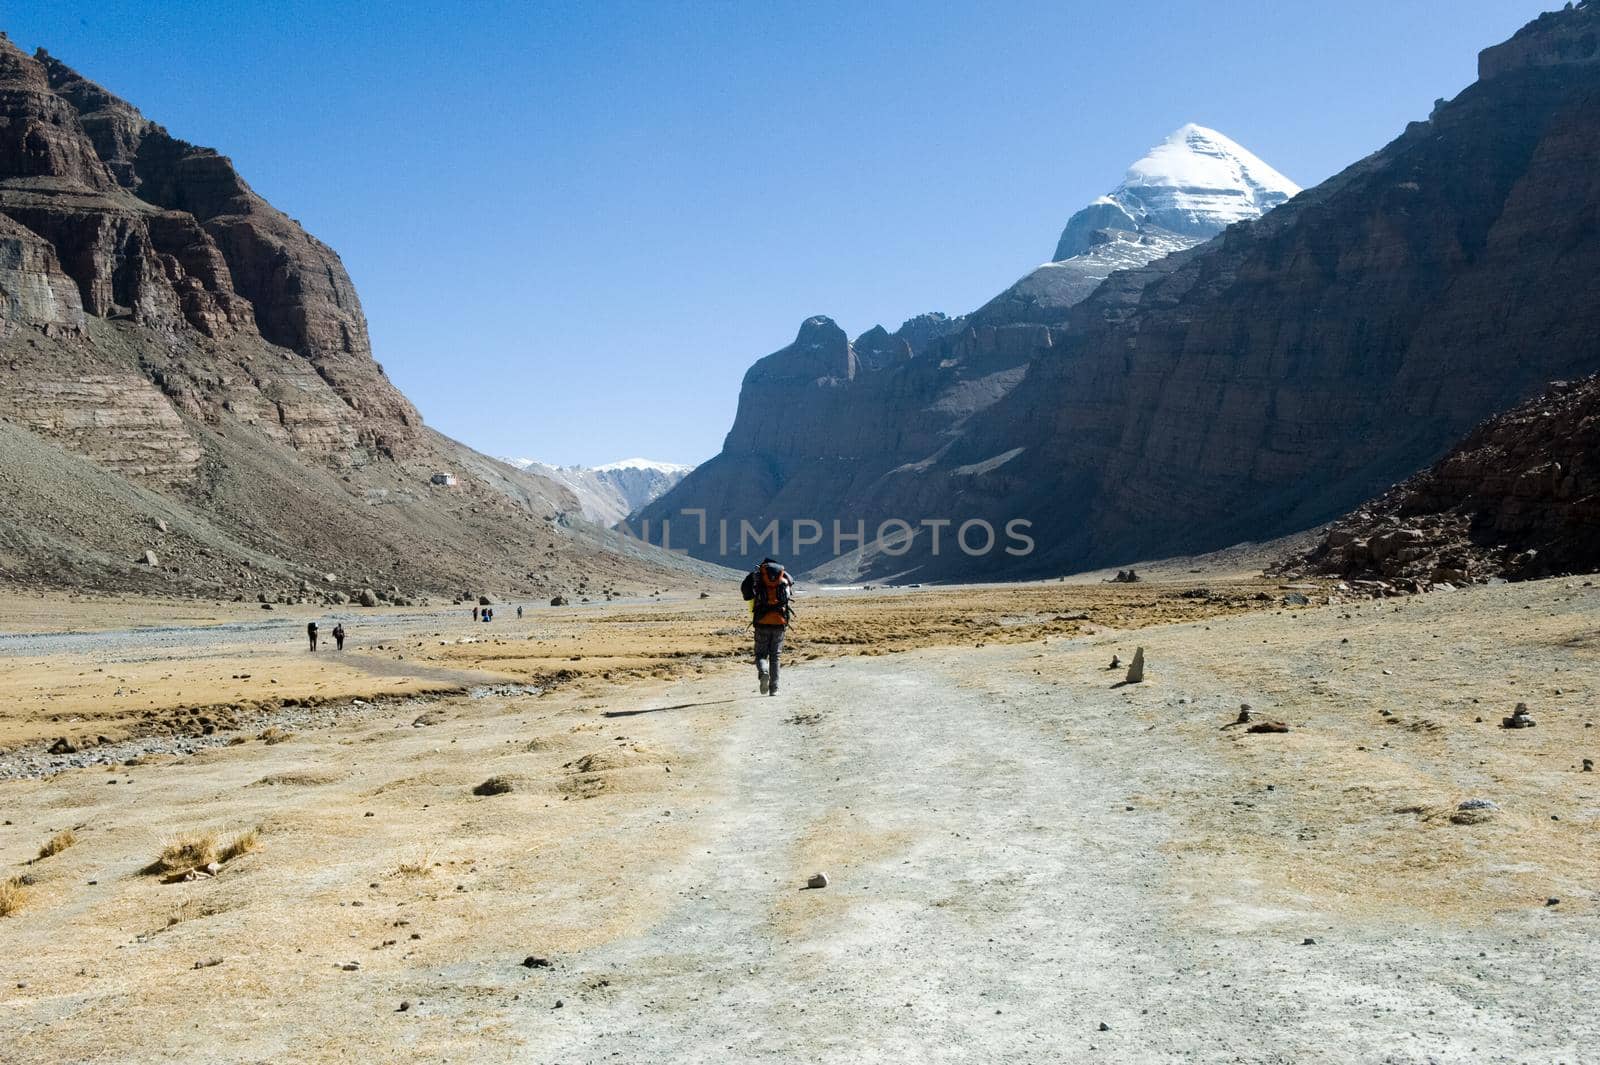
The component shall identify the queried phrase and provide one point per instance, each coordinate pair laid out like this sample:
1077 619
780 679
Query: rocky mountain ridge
1256 385
188 397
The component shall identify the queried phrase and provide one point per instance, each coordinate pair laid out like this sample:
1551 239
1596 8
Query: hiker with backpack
767 590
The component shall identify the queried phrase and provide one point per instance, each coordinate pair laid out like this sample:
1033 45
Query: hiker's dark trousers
769 643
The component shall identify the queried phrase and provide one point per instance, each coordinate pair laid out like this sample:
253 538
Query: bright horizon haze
573 227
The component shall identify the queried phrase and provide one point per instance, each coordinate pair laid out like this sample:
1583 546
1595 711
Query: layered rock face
111 218
1519 498
188 399
1249 387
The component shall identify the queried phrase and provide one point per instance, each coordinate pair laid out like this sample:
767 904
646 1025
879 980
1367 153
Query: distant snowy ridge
608 494
641 464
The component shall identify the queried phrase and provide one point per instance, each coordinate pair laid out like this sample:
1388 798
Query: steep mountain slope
820 422
608 494
184 371
1253 386
1519 498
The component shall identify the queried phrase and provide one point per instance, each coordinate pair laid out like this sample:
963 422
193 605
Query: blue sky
574 226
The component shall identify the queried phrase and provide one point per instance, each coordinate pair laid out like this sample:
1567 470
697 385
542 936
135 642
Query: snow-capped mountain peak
1194 184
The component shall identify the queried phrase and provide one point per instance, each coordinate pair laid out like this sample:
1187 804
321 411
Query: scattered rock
1116 662
1104 1027
493 786
404 1006
558 600
484 600
534 961
431 717
1136 669
1474 811
208 963
1268 726
367 597
63 746
817 880
1588 765
1296 599
351 966
150 559
1519 718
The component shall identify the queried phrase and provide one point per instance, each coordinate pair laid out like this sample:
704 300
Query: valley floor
1029 862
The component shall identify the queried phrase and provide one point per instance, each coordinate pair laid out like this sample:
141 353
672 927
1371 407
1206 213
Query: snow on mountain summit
1194 184
646 464
1184 191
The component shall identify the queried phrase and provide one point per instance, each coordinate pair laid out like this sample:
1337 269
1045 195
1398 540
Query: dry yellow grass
242 844
185 852
58 843
13 893
419 865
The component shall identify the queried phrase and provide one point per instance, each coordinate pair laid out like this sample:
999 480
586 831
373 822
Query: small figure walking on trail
474 613
519 613
311 634
338 635
767 590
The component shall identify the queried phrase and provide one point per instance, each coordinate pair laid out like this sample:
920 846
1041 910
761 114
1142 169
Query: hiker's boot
762 682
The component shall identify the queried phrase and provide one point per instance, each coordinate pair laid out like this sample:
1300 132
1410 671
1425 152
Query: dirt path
1002 885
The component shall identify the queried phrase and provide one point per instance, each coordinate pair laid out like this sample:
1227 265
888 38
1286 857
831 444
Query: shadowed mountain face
1258 384
185 371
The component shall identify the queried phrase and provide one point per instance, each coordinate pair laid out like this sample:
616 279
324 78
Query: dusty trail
995 898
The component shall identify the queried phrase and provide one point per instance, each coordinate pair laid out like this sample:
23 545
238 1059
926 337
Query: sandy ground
1021 851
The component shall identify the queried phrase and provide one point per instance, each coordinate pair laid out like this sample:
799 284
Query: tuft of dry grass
274 734
419 865
184 853
243 843
58 843
13 894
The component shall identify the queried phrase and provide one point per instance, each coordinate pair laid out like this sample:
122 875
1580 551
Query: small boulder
558 600
817 880
493 786
150 559
368 597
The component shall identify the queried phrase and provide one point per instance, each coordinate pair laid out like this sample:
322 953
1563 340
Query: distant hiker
338 636
474 613
311 634
519 613
767 590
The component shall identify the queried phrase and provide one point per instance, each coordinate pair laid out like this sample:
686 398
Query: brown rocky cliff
161 234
